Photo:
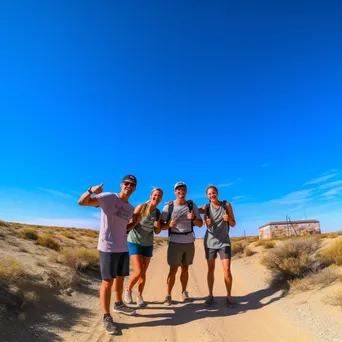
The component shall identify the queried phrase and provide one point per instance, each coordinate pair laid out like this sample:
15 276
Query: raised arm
136 218
231 218
87 200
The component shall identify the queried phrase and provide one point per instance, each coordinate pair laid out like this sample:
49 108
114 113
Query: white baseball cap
179 184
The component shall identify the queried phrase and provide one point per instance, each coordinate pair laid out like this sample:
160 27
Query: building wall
302 229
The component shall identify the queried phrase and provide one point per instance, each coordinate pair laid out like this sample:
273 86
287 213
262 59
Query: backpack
190 206
207 208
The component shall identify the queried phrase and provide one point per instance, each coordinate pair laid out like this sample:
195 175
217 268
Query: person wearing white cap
179 217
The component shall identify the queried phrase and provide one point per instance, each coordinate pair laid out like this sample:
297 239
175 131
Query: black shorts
225 253
180 253
114 265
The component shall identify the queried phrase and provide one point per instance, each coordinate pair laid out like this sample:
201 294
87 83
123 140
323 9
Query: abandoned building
289 228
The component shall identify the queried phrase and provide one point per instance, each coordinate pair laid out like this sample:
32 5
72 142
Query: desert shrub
332 235
248 251
334 299
58 280
91 233
4 223
332 254
269 244
30 233
251 239
237 248
48 241
79 258
318 280
68 235
293 259
10 268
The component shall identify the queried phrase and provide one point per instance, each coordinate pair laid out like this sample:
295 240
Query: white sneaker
140 302
128 297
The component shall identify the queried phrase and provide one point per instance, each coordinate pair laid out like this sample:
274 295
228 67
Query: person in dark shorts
219 217
140 244
116 217
179 217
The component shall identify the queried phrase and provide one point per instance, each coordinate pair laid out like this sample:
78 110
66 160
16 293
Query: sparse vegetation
335 299
4 223
10 268
333 254
248 252
269 244
237 248
30 233
293 259
68 235
80 259
48 241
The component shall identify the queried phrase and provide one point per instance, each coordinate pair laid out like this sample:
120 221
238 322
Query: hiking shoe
209 301
168 300
230 303
185 297
122 308
140 302
128 297
109 326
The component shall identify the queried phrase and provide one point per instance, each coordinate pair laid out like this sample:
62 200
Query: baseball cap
131 178
179 184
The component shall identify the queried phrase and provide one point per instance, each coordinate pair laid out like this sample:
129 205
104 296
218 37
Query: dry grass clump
334 299
316 281
269 244
251 239
10 268
333 254
89 232
79 259
237 248
48 241
159 241
293 259
57 280
4 223
248 252
29 233
261 242
68 235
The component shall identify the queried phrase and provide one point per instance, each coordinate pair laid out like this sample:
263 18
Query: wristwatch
89 190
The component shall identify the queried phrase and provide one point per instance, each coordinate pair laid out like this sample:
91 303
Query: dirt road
255 318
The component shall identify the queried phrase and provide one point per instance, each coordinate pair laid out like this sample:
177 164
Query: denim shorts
136 249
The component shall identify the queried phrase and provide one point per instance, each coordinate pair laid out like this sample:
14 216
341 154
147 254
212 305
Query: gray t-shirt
142 234
217 236
183 224
115 215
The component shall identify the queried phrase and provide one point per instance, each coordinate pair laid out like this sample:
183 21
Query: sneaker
230 303
185 297
168 300
209 301
122 308
128 297
140 302
109 326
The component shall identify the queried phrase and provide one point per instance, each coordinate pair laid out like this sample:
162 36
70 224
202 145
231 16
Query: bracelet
89 190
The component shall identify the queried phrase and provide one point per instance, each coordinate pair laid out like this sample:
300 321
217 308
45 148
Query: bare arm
231 221
87 200
135 219
202 210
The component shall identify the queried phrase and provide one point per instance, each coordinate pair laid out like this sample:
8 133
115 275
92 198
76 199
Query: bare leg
118 288
228 279
142 279
171 278
211 275
137 261
105 293
184 277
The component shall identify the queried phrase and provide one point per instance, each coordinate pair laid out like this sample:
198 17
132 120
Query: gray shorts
224 252
180 253
114 265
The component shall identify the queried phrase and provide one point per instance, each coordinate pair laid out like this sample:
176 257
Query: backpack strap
207 210
224 206
171 206
157 214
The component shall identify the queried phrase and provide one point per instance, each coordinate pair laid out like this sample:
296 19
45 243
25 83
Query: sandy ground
262 315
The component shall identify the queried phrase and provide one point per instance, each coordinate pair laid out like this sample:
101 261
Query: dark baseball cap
179 184
130 178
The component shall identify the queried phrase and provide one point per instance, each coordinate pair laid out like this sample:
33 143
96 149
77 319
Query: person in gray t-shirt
116 217
140 244
219 217
181 249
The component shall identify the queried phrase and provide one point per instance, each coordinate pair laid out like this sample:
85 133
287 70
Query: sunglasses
133 185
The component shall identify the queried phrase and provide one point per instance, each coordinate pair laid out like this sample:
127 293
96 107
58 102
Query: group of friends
126 234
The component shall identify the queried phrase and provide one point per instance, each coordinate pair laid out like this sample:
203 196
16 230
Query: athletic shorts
225 253
114 265
136 249
180 253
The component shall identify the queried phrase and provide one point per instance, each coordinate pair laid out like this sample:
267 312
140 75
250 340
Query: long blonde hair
146 208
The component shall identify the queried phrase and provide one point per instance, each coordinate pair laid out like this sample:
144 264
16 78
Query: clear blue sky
246 96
